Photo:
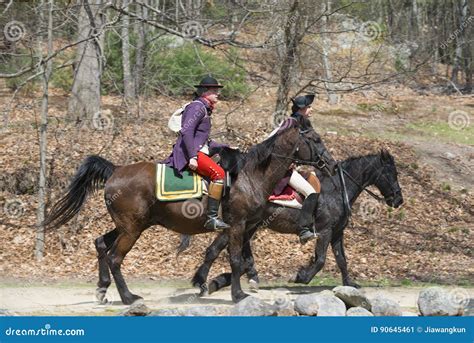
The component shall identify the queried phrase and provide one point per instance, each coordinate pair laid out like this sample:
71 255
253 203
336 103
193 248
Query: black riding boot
306 219
213 201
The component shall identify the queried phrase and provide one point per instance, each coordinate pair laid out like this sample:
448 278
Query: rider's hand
193 163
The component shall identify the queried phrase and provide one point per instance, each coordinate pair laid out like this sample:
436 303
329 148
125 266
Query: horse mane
233 160
383 154
259 155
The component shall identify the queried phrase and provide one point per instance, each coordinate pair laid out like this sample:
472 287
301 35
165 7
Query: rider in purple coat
194 135
192 147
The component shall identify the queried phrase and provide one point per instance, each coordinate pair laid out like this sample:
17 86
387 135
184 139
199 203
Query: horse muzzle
395 201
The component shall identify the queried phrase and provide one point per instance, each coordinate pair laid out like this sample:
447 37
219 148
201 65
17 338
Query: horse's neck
363 170
276 169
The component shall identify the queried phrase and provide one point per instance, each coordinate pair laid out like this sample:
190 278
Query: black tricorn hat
303 100
209 81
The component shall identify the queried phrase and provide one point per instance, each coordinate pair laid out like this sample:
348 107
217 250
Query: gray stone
252 306
385 307
136 309
205 311
449 155
166 312
307 305
358 312
320 304
194 311
435 301
5 313
352 297
285 308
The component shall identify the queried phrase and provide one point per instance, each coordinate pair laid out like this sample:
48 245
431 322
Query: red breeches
209 168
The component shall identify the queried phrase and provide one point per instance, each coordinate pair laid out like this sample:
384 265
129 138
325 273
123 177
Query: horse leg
220 281
306 274
338 250
236 237
224 279
212 252
102 245
117 253
249 262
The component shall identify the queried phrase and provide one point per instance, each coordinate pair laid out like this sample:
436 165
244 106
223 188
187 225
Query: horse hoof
239 296
100 295
253 286
130 300
203 290
212 287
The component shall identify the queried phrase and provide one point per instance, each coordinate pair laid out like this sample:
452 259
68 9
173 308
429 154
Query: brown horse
131 202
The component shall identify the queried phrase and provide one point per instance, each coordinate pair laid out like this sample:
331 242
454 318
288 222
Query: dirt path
79 299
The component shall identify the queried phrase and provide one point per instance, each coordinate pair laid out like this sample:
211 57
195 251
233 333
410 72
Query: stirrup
214 223
306 235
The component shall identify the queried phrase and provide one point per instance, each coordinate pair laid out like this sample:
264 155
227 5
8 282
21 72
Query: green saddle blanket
171 187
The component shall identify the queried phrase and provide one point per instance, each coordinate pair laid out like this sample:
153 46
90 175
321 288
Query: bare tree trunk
415 20
140 52
84 101
466 44
128 87
288 64
459 39
39 244
332 97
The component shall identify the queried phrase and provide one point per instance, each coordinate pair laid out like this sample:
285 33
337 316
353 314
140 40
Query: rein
345 198
372 194
320 163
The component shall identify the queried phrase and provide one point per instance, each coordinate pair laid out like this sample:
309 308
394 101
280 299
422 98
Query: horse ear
385 155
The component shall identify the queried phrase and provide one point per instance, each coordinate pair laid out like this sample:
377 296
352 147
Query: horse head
387 180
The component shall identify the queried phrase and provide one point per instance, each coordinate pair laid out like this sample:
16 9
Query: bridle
342 172
319 163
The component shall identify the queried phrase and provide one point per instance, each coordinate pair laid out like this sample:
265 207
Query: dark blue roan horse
339 192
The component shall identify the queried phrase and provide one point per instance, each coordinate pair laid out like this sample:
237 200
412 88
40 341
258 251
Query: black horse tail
183 244
92 173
